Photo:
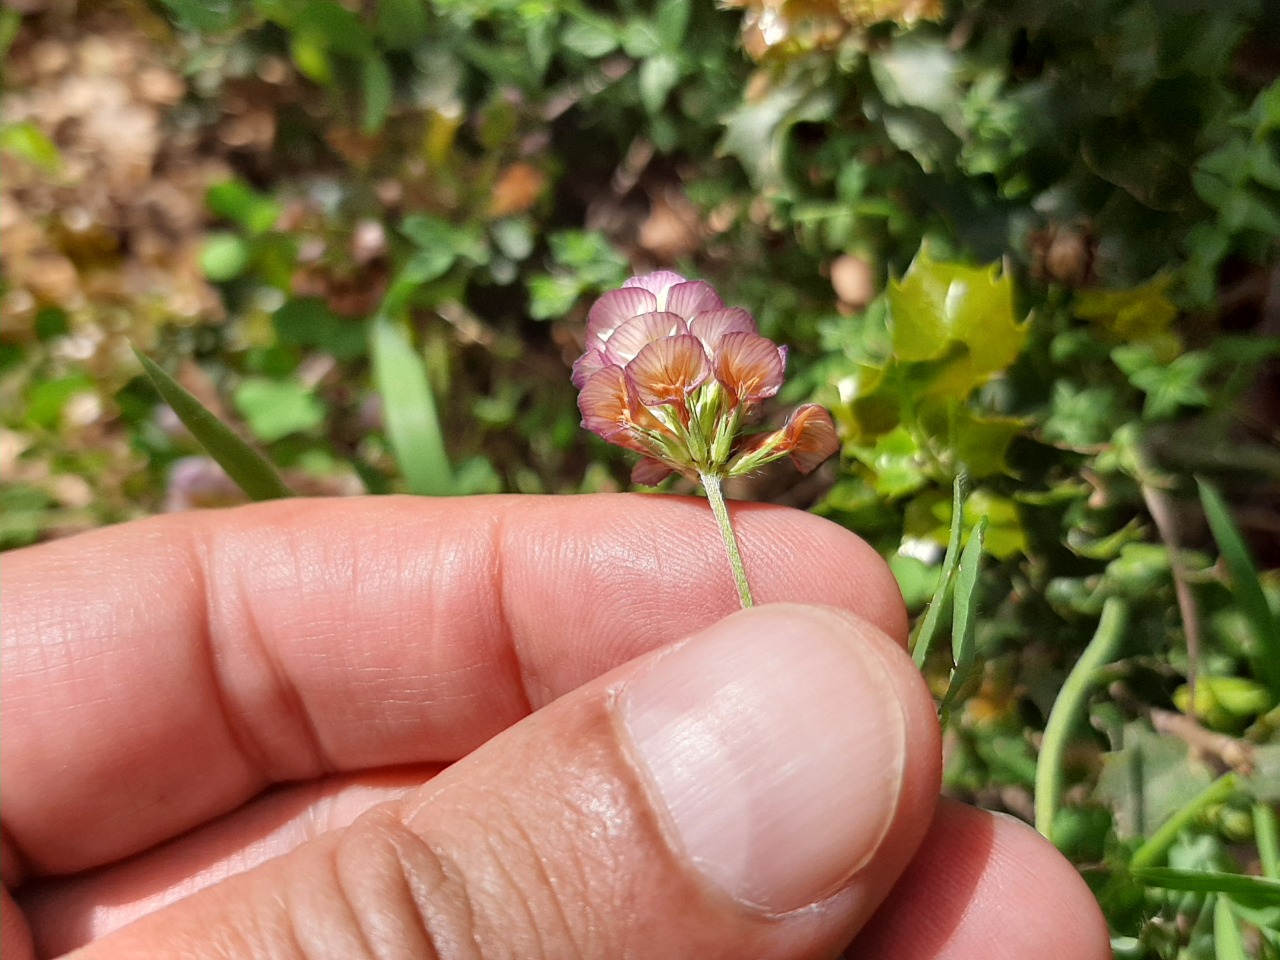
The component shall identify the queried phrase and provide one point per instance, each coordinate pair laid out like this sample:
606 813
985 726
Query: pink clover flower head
671 372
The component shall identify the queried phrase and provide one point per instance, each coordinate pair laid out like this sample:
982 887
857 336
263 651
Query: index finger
161 673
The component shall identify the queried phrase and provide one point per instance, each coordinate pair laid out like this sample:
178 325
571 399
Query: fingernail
774 744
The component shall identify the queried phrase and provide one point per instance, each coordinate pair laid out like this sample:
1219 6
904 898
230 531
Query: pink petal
614 309
587 366
656 283
603 402
649 472
711 325
668 370
811 436
748 366
638 332
691 298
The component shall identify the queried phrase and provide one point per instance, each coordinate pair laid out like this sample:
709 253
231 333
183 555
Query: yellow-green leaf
1124 316
938 304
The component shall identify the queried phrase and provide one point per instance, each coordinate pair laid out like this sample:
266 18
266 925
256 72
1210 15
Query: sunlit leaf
409 410
27 142
937 304
223 257
658 75
276 408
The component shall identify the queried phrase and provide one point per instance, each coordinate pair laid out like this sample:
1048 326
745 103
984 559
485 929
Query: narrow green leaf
252 472
671 20
964 611
1255 891
1227 943
1265 833
379 90
409 410
1248 590
927 631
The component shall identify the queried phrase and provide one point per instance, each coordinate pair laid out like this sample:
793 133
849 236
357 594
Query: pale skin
326 728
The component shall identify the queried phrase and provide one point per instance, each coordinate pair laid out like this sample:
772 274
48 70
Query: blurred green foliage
1027 244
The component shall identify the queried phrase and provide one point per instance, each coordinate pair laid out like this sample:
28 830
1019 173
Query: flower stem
711 483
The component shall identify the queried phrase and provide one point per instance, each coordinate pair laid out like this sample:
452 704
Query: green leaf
1132 315
658 75
1249 596
919 72
223 256
400 24
938 304
308 322
277 408
927 629
1224 703
236 201
978 442
251 472
1082 418
591 36
964 611
1227 942
378 89
10 23
45 399
409 410
756 131
311 57
1005 536
671 21
1253 891
1169 386
900 466
333 27
27 142
205 16
1268 839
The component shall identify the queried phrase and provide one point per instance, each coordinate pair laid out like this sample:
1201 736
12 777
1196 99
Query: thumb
754 790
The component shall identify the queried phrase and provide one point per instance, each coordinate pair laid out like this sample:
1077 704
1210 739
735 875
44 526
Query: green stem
711 483
1158 844
1068 707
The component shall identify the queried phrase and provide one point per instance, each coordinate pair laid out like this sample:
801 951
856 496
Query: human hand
409 727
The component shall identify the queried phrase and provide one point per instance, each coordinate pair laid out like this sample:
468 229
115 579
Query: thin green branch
1070 705
1158 844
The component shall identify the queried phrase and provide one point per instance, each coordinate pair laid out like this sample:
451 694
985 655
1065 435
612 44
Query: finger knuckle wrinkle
481 893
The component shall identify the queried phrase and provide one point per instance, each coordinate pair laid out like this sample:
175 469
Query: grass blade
1227 942
964 619
250 470
1255 891
1247 588
1264 832
409 410
927 631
